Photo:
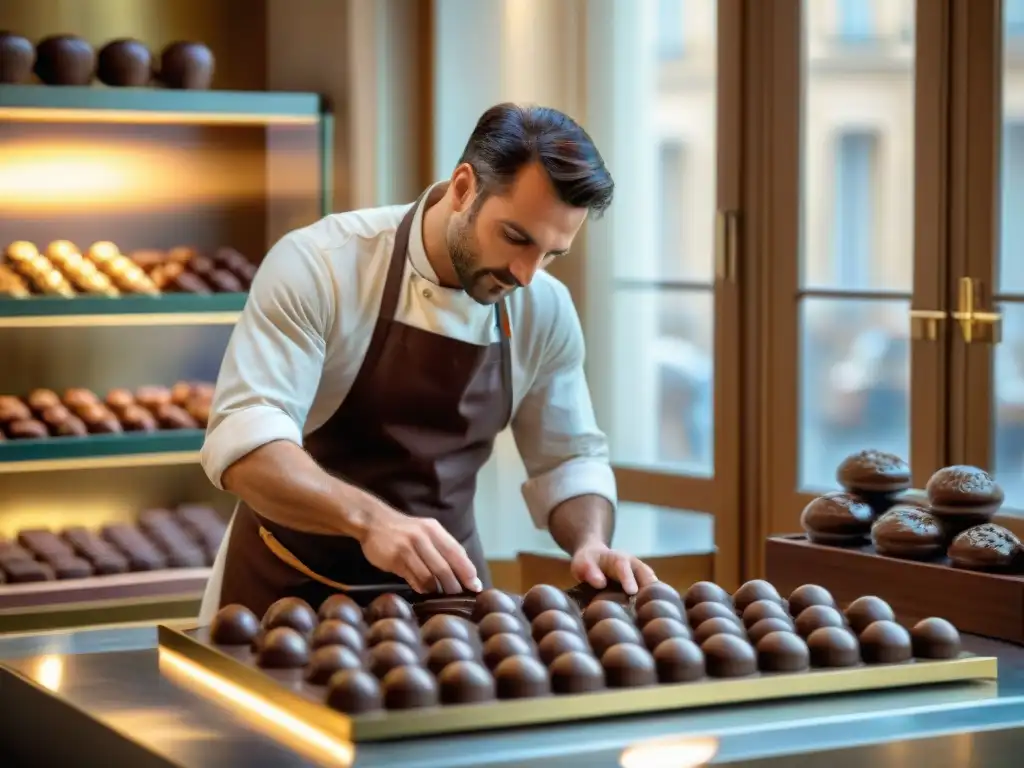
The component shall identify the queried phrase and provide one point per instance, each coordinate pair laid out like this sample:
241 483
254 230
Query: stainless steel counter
114 675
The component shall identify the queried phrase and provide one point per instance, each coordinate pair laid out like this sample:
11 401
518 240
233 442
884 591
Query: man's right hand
420 551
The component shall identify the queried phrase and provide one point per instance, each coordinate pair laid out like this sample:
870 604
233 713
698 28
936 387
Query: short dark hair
509 136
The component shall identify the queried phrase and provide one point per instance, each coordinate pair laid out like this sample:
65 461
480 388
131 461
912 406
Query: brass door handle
726 245
976 326
926 324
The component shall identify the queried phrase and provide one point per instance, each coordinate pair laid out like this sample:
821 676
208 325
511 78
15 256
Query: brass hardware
976 326
727 245
926 324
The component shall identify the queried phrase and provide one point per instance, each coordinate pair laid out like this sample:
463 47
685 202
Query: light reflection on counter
673 752
276 721
48 671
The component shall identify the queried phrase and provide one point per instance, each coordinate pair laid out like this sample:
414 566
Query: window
855 19
670 29
1014 10
671 204
853 222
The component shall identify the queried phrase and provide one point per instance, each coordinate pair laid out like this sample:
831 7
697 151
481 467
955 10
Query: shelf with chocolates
181 285
153 424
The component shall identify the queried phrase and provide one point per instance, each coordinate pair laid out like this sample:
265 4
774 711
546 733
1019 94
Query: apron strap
284 555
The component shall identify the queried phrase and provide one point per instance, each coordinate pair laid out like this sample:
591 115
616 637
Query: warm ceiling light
674 752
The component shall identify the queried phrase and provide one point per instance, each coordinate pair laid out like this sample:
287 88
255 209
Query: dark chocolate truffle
337 632
679 661
987 547
465 682
392 629
290 612
816 617
766 627
125 62
551 621
283 648
342 608
704 611
908 532
728 656
522 677
389 606
807 595
234 625
185 64
409 688
782 652
601 610
493 601
935 638
558 642
837 518
763 609
628 666
544 597
499 624
390 655
353 692
65 60
609 632
833 647
659 590
441 627
754 591
500 647
658 609
717 626
659 630
959 489
706 592
867 610
575 672
445 651
328 660
17 55
885 642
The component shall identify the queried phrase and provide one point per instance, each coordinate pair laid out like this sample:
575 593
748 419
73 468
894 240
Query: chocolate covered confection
119 399
390 655
125 62
609 632
728 656
500 623
389 606
705 592
70 568
395 630
72 427
152 397
987 547
443 626
816 617
203 525
135 418
659 630
575 672
13 409
187 282
755 591
26 571
43 544
223 281
551 621
493 601
960 490
17 56
544 597
763 609
867 610
77 398
65 60
628 666
170 416
885 642
659 590
164 531
283 648
41 399
908 532
601 610
766 627
448 650
935 638
558 642
55 416
833 647
291 612
27 429
807 595
678 660
409 688
103 557
717 626
326 661
343 608
704 611
501 647
782 652
336 632
659 609
465 682
140 552
876 477
521 677
838 519
354 692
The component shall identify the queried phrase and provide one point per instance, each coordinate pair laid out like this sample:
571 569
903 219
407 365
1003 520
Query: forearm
281 481
582 520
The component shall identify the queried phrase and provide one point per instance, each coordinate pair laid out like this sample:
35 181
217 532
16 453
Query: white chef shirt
306 327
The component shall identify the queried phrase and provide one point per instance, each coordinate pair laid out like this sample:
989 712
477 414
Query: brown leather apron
415 429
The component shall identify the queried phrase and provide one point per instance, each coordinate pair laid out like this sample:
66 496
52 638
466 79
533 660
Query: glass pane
1011 252
681 135
854 383
858 150
663 390
1009 406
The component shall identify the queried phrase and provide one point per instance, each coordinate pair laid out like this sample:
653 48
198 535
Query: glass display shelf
99 451
169 309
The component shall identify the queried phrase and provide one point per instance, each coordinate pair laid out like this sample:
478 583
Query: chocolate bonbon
290 612
575 672
161 527
558 642
448 650
628 666
142 555
465 682
354 692
727 655
935 638
551 621
337 632
521 677
544 597
328 660
234 625
866 610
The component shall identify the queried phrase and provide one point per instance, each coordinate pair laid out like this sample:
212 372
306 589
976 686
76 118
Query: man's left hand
596 563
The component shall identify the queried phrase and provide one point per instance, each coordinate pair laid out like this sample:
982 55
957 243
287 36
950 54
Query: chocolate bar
128 540
44 544
204 525
71 568
103 557
160 526
20 571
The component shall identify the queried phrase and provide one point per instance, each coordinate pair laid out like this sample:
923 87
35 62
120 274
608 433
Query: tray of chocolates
393 670
930 552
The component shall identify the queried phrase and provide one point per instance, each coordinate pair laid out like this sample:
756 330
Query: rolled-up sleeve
272 366
556 432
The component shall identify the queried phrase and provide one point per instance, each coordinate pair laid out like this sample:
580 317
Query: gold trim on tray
182 650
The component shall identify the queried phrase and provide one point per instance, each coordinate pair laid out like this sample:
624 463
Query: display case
172 197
